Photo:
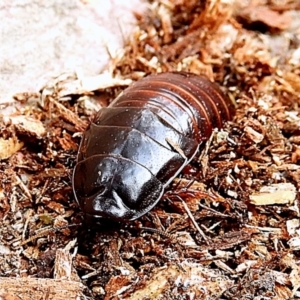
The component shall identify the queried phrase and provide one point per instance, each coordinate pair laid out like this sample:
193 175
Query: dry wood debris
230 224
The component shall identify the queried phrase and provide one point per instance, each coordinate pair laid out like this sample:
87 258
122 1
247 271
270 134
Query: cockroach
138 144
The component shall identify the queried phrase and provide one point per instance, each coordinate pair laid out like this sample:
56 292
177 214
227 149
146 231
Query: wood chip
26 125
198 281
292 225
63 265
37 288
94 83
263 14
9 147
280 193
71 84
69 116
255 136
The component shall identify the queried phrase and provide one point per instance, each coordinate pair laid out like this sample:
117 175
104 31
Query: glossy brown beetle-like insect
142 140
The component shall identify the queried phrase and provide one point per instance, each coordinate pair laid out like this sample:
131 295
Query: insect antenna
43 232
160 232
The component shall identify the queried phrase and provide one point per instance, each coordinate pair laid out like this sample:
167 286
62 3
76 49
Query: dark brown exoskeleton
142 140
